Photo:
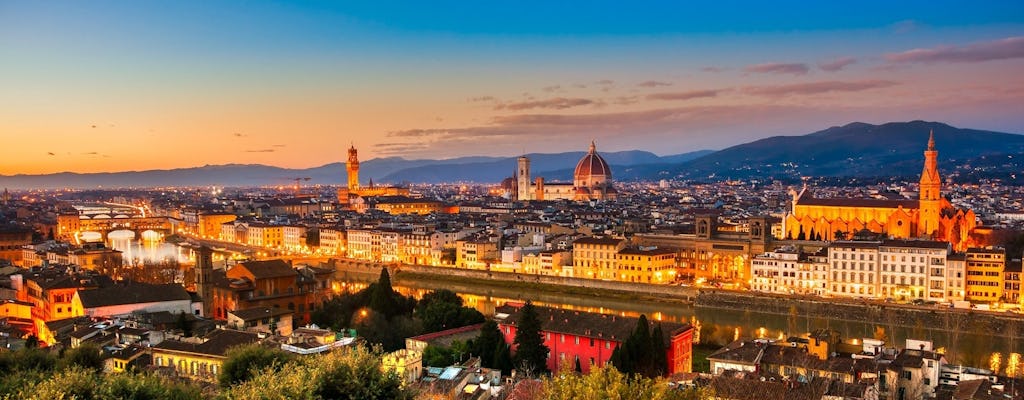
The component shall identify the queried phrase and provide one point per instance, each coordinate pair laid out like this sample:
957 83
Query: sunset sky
92 86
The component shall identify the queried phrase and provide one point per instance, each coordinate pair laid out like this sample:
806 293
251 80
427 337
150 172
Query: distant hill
853 150
856 149
390 169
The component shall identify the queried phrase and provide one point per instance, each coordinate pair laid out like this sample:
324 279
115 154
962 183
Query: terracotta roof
216 343
592 164
255 313
598 240
749 389
132 293
269 269
873 203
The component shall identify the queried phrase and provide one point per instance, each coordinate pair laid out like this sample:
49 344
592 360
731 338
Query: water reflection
718 327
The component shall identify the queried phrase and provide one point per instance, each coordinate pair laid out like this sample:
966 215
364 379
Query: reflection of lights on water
761 332
1013 365
736 334
994 362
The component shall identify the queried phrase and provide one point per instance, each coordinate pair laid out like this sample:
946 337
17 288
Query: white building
913 269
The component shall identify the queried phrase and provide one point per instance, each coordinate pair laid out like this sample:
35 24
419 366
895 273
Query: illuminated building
271 283
788 271
262 320
122 299
72 227
854 269
592 180
596 258
713 253
476 254
96 257
354 190
646 265
399 205
264 235
199 358
590 338
12 239
931 215
209 223
985 274
913 269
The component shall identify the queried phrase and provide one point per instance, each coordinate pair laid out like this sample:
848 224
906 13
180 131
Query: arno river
976 349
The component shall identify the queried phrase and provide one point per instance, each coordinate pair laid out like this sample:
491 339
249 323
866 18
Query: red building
271 283
591 337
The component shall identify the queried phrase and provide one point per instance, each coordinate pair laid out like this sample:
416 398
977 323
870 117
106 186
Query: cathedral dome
592 164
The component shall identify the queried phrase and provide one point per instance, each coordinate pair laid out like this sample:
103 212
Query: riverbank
887 316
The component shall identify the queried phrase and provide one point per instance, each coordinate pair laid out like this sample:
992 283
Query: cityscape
511 201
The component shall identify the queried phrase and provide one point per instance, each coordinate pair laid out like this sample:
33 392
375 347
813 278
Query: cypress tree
502 358
660 356
531 352
382 299
486 344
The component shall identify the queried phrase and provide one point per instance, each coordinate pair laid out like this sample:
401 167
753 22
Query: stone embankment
880 313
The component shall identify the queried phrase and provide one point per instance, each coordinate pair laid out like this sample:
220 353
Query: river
717 326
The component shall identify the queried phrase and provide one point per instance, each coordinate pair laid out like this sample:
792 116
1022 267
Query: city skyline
112 87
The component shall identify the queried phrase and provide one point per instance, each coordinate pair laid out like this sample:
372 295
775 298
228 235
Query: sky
116 86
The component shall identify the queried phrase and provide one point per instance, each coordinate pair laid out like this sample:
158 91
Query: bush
245 362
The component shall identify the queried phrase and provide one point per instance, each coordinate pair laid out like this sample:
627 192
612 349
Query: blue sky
104 86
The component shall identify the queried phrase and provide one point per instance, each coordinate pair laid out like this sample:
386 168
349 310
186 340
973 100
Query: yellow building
262 235
475 253
596 257
400 205
199 358
931 215
985 274
209 223
646 265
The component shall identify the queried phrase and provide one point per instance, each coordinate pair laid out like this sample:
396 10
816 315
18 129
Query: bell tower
523 179
204 279
930 197
352 166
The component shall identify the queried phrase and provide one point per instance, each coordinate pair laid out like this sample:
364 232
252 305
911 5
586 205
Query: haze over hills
857 150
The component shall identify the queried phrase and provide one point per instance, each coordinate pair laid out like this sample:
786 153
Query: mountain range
855 150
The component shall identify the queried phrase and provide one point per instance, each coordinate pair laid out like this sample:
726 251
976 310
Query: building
596 257
270 320
913 269
853 269
475 253
708 252
646 265
985 274
592 180
199 358
353 190
209 223
125 298
931 215
271 283
96 257
914 374
400 205
590 338
12 239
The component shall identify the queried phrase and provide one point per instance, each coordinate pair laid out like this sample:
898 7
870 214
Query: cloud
279 145
91 153
837 64
779 68
811 88
399 148
651 84
904 26
625 100
552 88
557 103
687 95
1002 49
714 69
50 153
481 99
236 134
260 151
605 82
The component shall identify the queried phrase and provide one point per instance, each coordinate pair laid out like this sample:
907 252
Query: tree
642 353
608 383
247 361
443 309
31 342
503 358
486 344
382 297
531 352
183 324
88 356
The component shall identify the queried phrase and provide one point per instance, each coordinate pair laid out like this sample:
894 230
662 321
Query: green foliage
378 313
503 358
351 373
31 342
607 383
88 356
436 356
382 298
486 344
86 384
443 309
28 359
245 362
531 352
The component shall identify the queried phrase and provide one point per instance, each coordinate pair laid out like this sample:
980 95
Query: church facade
592 180
930 216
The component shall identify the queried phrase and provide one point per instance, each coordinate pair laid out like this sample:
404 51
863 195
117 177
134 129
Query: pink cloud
692 94
557 103
1002 49
837 64
811 88
779 68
